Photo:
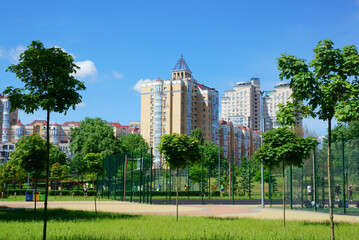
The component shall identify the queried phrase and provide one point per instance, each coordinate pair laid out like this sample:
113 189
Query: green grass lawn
66 224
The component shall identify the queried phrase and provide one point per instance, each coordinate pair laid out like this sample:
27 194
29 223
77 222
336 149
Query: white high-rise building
271 100
241 106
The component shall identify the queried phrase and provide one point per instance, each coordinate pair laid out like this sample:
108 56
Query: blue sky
119 43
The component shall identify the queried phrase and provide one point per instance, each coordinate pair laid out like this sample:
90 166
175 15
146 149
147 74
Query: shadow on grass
14 214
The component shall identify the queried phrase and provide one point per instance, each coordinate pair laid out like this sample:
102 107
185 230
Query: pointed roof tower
181 70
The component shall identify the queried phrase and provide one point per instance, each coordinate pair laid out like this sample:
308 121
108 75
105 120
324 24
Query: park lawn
67 224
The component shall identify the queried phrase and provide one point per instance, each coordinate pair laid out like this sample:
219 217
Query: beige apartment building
180 105
271 100
241 106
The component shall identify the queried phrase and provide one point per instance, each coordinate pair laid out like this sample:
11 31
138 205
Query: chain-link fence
307 187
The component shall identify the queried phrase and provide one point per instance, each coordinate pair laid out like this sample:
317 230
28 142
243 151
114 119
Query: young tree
281 147
30 155
210 154
133 142
56 156
59 171
9 171
328 85
94 136
94 168
179 151
194 174
49 84
246 174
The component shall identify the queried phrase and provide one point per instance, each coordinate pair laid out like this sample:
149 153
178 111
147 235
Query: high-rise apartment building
241 106
271 100
7 118
180 105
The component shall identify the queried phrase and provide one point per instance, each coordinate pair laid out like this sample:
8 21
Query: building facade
271 99
180 105
241 106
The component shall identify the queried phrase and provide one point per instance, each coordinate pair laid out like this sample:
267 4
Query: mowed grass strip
67 224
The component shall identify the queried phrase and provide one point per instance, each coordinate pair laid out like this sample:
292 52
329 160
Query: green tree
133 142
94 168
59 171
210 155
246 175
94 136
197 134
9 171
49 84
328 85
30 156
56 156
194 174
179 151
280 147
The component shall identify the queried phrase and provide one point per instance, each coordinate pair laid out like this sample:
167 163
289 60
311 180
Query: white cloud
138 85
14 53
117 75
87 69
82 104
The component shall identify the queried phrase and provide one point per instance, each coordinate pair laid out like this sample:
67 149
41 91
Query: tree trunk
283 197
209 184
331 219
177 197
47 171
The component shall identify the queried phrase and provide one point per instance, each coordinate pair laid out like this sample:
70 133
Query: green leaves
94 164
329 84
280 145
94 136
47 74
179 151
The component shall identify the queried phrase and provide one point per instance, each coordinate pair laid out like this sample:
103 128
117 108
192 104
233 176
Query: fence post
131 182
170 186
202 190
151 177
141 176
291 186
125 179
109 180
270 187
343 176
315 179
232 177
116 172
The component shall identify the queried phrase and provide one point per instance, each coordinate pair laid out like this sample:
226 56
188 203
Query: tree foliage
30 154
133 142
281 146
48 76
329 86
94 136
179 151
194 174
59 171
49 81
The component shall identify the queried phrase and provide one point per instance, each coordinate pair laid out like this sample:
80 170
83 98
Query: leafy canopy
49 81
30 154
133 142
94 136
281 146
60 171
179 151
94 164
328 84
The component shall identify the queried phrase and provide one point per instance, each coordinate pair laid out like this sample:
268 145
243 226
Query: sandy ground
236 211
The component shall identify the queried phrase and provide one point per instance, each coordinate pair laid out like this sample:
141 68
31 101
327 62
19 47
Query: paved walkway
237 211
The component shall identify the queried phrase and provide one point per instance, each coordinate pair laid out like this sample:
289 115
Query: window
151 108
164 119
165 88
151 91
151 102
